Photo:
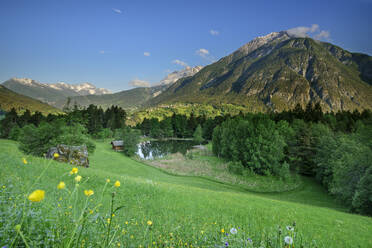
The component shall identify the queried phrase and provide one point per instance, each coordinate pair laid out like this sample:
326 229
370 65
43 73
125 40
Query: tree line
336 149
37 133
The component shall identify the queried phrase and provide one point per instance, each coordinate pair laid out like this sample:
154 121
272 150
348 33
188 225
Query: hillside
51 93
277 71
10 99
133 98
127 99
191 210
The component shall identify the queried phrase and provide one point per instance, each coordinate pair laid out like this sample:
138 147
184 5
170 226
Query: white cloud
323 35
179 62
202 52
314 28
303 32
117 10
214 32
146 54
102 52
139 83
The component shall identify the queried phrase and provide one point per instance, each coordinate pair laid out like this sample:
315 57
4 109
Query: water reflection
160 148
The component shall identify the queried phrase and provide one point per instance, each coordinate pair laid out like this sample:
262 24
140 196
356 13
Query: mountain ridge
277 71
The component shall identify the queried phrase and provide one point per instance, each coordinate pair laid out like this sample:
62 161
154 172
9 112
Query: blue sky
106 42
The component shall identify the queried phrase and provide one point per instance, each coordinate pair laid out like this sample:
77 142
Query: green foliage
37 140
104 133
362 199
257 142
198 135
130 139
15 133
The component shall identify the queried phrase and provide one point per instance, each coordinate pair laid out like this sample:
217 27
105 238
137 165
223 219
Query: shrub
235 167
37 140
130 139
362 200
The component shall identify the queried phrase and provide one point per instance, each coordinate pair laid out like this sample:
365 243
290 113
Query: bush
104 133
362 200
37 140
235 168
130 139
15 133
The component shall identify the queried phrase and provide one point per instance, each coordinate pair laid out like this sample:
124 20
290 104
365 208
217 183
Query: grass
203 163
185 211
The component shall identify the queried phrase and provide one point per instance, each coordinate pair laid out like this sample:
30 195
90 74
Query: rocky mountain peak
263 40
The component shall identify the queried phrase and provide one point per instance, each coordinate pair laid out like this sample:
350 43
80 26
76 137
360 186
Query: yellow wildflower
108 180
108 220
61 185
149 222
117 184
222 230
88 192
37 195
126 223
74 170
24 161
78 178
55 155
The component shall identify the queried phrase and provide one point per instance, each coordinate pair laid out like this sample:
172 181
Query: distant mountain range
10 99
51 93
277 71
270 73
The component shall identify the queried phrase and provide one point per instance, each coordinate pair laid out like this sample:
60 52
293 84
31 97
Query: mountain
10 99
133 98
51 93
127 99
174 76
277 71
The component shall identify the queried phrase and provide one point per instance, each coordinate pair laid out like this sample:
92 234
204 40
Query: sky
118 44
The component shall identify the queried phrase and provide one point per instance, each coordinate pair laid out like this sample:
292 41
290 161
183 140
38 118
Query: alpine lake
155 149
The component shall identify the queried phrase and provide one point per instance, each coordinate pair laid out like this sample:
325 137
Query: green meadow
155 208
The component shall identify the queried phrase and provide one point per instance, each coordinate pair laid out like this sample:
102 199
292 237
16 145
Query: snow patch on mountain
174 76
80 89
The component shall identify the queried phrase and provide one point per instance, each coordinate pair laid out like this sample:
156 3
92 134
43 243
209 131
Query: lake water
160 148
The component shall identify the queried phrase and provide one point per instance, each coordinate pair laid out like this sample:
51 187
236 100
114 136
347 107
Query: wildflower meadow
119 202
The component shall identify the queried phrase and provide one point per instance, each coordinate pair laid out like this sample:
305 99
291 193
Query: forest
333 148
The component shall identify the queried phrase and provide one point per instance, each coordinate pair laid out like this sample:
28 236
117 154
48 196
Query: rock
76 155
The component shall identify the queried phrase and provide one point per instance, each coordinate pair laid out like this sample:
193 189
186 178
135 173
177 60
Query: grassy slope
190 204
10 99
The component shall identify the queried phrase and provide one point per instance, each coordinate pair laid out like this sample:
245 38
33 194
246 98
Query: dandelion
288 240
37 195
108 180
88 192
56 155
149 222
222 230
117 184
24 161
74 171
233 231
61 185
78 179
